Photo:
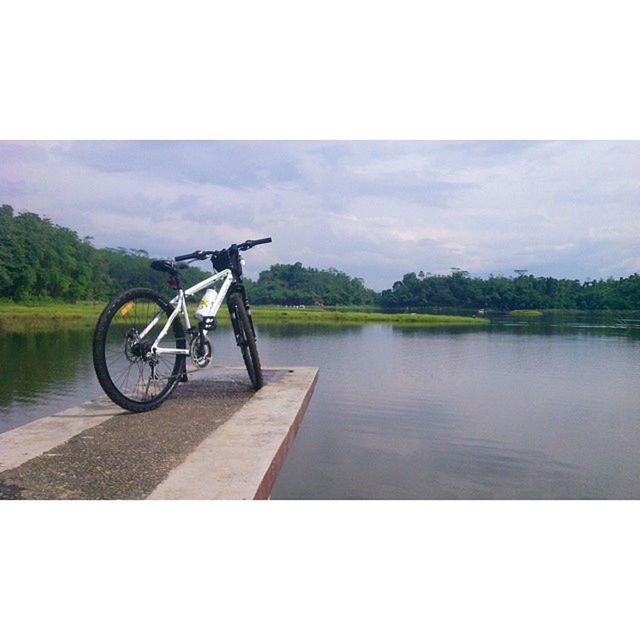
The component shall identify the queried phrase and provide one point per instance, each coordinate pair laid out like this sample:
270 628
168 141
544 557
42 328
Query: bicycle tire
246 340
112 333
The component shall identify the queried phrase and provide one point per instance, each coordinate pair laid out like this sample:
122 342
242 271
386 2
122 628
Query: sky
376 210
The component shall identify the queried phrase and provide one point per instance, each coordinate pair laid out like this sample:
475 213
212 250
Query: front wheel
128 369
246 339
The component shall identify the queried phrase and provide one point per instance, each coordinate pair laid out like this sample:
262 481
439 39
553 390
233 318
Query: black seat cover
170 266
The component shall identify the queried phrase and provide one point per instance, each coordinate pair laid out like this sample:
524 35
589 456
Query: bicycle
139 358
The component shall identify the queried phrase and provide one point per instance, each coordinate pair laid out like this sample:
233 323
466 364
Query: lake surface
521 409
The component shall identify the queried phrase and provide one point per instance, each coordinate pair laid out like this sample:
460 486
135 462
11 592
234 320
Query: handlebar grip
196 255
261 241
186 256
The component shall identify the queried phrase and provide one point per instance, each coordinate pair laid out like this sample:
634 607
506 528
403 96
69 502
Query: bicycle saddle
170 266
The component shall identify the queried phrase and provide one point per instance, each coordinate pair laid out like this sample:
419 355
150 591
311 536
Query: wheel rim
136 372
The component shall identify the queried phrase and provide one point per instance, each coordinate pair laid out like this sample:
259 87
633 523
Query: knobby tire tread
250 353
99 343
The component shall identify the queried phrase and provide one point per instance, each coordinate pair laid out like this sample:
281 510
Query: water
44 373
523 409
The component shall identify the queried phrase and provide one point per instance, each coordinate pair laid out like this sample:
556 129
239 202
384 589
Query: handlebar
196 255
203 255
249 244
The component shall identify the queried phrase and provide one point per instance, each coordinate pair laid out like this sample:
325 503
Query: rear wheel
131 374
246 340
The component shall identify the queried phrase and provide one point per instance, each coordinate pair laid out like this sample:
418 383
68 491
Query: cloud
373 209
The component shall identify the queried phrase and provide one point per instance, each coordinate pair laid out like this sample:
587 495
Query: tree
294 284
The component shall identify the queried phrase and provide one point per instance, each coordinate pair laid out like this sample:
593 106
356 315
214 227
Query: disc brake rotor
200 353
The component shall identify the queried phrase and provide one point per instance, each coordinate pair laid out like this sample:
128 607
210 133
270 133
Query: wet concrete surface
127 456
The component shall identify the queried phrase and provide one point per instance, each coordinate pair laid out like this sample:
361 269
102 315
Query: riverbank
526 313
45 317
283 315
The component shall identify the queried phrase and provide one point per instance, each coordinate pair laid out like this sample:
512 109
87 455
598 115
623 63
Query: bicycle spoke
133 371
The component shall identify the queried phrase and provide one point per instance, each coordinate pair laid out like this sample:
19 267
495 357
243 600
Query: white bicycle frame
180 304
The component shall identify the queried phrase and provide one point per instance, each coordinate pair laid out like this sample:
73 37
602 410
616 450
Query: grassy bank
30 318
280 315
525 313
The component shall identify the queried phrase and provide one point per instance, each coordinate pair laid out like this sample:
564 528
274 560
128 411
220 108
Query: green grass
54 316
525 313
282 315
49 316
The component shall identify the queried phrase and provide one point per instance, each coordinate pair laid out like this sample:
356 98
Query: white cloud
373 209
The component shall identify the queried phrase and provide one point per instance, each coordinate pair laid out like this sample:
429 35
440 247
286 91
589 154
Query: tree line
43 260
39 259
293 284
501 293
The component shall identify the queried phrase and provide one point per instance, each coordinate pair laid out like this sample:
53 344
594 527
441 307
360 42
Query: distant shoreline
56 316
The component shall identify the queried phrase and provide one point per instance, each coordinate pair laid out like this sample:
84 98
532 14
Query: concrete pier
214 438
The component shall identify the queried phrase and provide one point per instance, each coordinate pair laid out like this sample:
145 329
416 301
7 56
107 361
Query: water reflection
540 408
462 413
305 330
42 373
39 364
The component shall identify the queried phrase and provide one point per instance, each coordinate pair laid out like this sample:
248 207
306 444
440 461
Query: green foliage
293 284
506 294
39 259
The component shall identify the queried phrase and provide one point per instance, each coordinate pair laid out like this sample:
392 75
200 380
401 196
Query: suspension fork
239 288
